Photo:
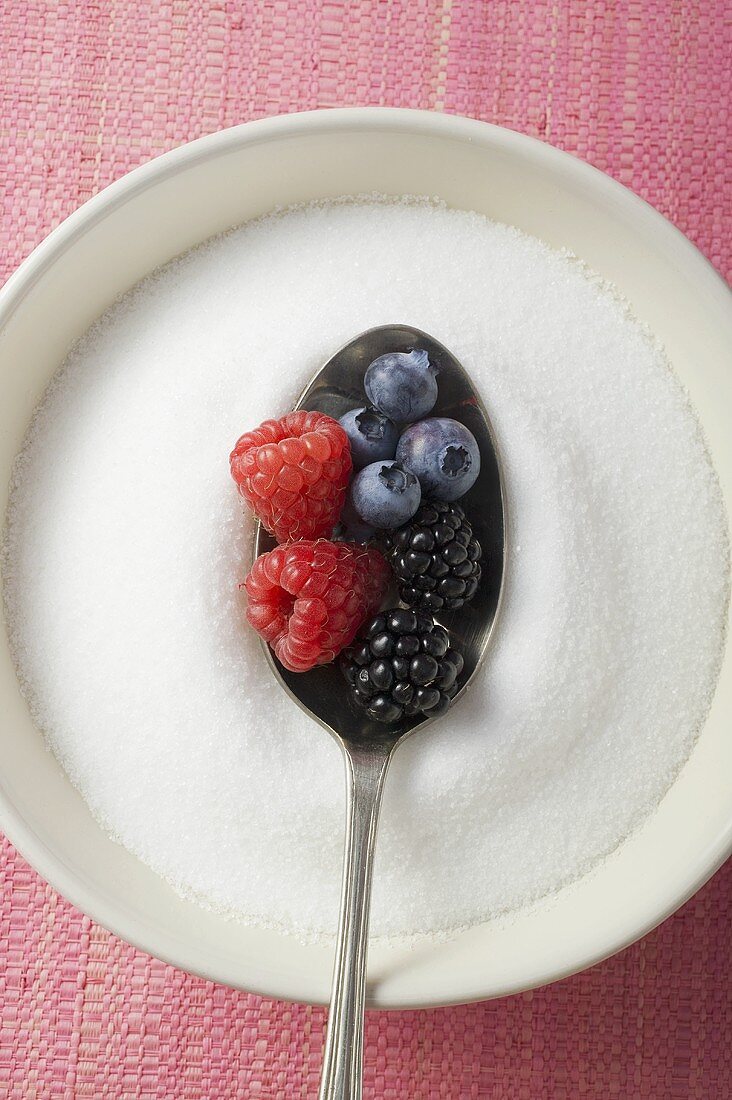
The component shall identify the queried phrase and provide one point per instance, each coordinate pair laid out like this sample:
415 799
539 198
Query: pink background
89 90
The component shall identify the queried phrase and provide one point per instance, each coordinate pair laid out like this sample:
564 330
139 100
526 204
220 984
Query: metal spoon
368 746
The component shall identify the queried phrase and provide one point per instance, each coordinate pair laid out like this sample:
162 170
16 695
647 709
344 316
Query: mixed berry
401 666
443 454
307 599
294 472
372 435
435 558
403 384
355 505
384 494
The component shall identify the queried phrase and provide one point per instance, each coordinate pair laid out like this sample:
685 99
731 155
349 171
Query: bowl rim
83 893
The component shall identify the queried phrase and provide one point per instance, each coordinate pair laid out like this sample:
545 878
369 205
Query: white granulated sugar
126 540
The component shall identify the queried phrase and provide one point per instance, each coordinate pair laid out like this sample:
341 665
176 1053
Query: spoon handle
366 767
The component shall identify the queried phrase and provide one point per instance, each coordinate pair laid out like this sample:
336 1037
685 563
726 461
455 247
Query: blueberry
384 494
372 435
402 384
444 455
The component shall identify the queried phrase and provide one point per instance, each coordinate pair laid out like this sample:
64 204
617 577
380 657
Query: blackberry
435 557
402 665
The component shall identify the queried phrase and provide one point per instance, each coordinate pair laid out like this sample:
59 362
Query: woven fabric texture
641 89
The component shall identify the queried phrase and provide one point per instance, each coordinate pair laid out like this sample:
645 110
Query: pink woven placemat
639 88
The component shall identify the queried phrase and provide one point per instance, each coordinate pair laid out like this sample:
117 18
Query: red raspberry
294 473
308 599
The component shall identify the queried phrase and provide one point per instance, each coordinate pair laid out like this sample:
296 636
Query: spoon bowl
368 746
338 387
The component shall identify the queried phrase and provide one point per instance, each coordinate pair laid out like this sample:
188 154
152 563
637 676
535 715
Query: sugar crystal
126 540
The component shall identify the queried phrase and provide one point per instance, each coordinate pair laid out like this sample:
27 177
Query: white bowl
176 201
